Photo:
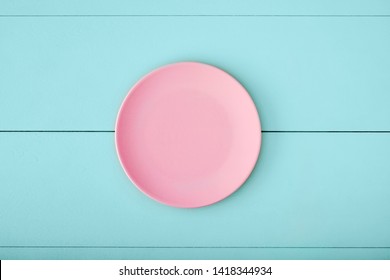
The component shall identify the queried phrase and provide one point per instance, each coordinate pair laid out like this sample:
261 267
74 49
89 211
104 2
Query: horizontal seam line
199 247
263 131
58 131
196 15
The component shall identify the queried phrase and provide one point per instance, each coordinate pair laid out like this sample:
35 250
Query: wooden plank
303 73
190 7
308 189
194 253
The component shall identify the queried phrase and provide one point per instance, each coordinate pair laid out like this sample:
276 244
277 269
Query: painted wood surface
308 190
303 73
196 253
317 66
199 7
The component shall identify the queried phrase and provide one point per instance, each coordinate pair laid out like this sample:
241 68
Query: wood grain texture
309 66
321 190
199 7
303 73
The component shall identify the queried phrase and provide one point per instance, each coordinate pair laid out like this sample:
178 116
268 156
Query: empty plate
188 134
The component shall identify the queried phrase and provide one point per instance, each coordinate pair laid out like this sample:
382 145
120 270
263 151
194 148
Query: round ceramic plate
188 134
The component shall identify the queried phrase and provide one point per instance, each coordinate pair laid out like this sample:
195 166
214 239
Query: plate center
187 136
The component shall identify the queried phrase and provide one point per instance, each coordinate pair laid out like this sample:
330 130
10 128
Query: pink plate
188 134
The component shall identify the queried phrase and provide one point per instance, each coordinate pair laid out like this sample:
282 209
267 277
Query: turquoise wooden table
318 71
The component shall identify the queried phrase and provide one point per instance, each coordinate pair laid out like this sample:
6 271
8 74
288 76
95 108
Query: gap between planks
263 131
205 15
192 247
